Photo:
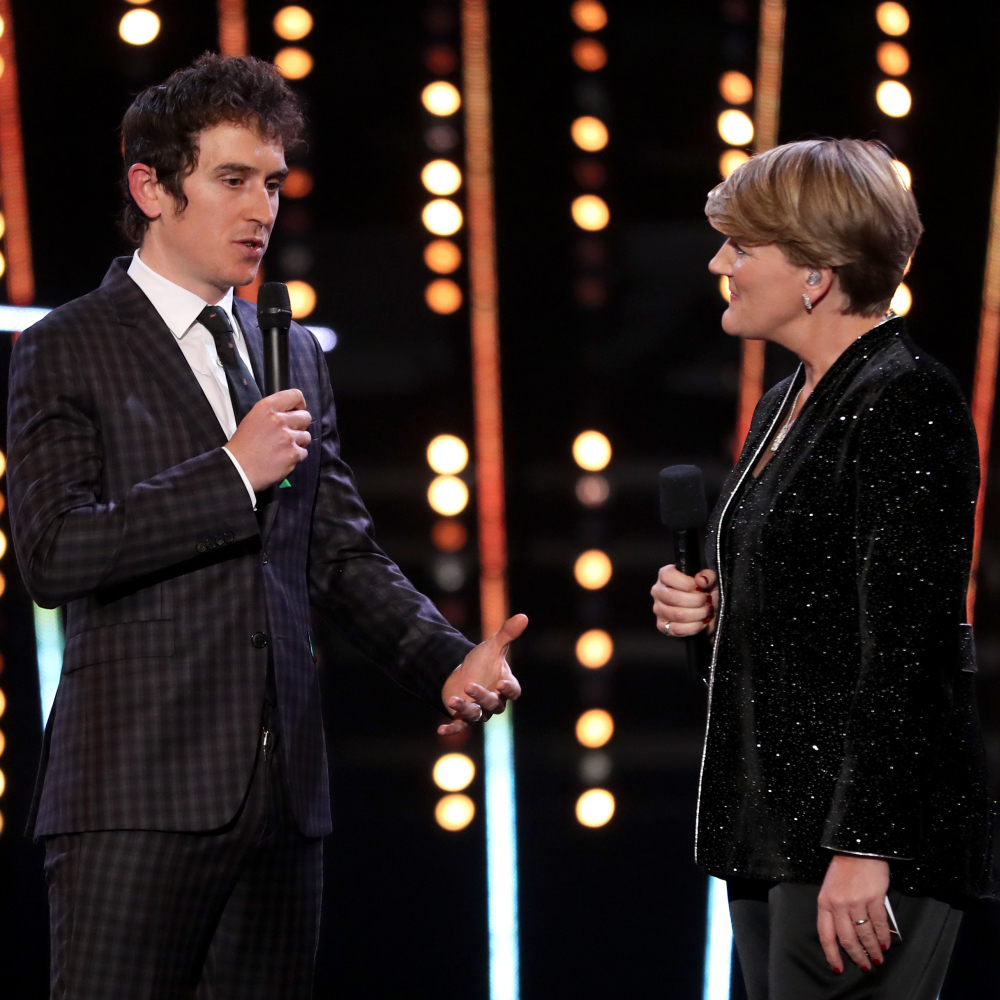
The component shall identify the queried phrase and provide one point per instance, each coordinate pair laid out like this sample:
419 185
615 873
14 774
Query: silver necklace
787 426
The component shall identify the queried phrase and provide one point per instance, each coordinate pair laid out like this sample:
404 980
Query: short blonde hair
837 203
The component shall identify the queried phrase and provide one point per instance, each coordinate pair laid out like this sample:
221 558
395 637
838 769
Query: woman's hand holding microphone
685 605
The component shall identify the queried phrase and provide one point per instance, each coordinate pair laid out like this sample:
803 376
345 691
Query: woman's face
765 289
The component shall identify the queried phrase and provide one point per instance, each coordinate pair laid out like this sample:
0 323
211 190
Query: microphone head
682 498
273 306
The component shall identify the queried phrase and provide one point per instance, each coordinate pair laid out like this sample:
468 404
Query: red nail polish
878 961
838 971
884 947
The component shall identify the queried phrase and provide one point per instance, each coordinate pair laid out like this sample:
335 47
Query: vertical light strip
49 653
984 382
20 271
233 31
501 820
718 943
770 56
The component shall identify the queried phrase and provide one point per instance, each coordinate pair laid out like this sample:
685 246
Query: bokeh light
590 212
292 23
3 702
3 782
592 490
595 807
589 15
302 297
594 728
447 455
724 286
441 59
3 464
455 812
594 648
441 98
442 217
3 265
442 256
735 127
3 545
293 63
298 183
902 300
589 133
449 535
454 772
589 54
443 296
892 18
139 27
3 743
730 160
441 177
893 98
737 88
892 58
3 584
592 451
592 569
448 495
904 173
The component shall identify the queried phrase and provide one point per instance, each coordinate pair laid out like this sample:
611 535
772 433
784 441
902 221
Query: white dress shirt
179 309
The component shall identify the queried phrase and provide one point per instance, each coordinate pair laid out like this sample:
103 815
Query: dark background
603 912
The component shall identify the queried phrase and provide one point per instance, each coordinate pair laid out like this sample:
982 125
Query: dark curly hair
161 127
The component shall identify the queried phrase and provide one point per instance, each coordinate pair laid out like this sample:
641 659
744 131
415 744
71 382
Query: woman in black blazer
844 785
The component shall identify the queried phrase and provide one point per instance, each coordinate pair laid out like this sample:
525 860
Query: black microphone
274 317
684 511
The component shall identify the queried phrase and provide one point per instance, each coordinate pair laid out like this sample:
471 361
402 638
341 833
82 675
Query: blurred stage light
595 807
736 88
724 287
1 822
443 296
298 183
590 212
138 3
3 584
595 767
441 98
3 265
441 138
730 160
442 256
893 59
454 772
904 173
293 63
3 65
594 648
595 728
902 300
302 296
3 782
589 133
292 23
592 490
139 27
2 26
447 455
3 545
589 15
449 573
735 128
893 98
3 743
455 812
892 18
441 59
3 703
589 54
442 217
441 177
448 495
592 569
592 451
449 535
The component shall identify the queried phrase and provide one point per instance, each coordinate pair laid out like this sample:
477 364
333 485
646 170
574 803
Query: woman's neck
822 339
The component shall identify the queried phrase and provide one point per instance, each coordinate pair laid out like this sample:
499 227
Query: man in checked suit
183 791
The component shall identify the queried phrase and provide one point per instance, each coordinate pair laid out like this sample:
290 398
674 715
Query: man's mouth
253 244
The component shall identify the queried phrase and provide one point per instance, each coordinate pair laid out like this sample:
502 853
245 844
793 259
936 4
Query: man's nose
263 207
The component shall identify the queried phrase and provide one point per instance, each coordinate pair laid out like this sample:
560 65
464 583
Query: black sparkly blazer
841 696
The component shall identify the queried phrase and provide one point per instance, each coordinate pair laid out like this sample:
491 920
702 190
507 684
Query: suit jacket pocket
124 641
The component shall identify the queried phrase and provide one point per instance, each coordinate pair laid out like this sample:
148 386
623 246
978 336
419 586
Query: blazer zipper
722 602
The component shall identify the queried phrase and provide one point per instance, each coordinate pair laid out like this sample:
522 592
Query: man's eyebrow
246 168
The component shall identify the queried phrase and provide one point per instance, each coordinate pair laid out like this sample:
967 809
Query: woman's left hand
851 910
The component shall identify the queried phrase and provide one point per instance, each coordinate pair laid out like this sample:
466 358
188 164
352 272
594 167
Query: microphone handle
276 375
688 559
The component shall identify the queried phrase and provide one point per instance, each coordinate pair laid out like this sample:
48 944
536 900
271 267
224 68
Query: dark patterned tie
242 388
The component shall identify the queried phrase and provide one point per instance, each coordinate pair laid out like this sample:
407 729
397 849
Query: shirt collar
178 307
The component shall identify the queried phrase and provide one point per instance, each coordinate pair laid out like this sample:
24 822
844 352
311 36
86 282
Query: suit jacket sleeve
917 478
369 599
70 538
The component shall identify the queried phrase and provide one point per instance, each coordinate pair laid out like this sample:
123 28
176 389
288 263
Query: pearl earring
807 302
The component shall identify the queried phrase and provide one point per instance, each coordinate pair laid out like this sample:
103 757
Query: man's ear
145 190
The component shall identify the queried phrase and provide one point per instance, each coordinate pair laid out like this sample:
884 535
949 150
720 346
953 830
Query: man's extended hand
483 683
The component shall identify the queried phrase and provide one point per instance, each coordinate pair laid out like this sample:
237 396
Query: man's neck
164 264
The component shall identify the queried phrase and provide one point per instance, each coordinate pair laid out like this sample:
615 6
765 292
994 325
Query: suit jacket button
220 540
201 547
259 640
229 537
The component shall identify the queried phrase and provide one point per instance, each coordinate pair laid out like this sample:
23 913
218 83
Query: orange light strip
233 32
985 380
770 57
484 322
20 270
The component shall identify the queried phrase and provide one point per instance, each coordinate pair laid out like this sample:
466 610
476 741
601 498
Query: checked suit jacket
125 509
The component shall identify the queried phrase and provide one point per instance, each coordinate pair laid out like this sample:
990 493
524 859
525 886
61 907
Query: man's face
218 240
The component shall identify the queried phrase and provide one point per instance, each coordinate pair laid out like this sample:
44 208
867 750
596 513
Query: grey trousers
774 926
